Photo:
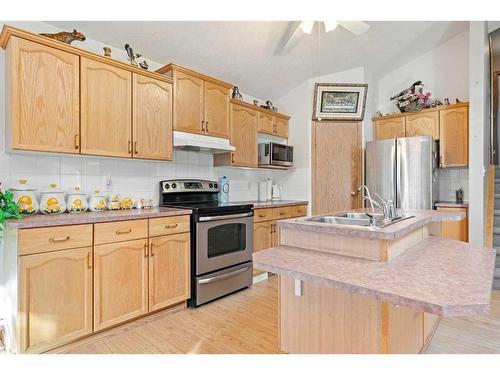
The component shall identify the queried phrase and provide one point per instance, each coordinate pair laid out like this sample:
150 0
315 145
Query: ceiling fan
306 27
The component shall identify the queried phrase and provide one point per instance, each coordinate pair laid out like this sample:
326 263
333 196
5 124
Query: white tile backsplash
450 180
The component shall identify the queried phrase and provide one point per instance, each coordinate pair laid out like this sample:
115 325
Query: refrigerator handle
397 171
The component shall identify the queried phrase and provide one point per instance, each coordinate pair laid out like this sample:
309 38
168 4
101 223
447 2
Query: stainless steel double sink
357 219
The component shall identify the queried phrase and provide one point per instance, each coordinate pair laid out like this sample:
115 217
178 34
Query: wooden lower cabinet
120 282
169 270
455 230
55 298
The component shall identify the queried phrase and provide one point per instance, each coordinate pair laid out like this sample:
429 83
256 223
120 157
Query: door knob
353 193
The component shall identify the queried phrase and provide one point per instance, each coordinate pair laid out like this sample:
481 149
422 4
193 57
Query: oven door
223 241
281 154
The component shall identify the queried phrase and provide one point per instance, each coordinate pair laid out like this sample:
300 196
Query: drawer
42 240
168 225
263 214
117 231
282 213
298 211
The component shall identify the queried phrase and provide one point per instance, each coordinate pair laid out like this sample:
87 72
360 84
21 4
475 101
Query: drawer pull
152 253
146 250
124 231
59 239
89 260
171 226
262 215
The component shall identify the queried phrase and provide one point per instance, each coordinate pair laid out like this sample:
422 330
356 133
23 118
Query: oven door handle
224 217
222 277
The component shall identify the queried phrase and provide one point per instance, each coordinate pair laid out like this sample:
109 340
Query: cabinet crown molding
170 68
426 110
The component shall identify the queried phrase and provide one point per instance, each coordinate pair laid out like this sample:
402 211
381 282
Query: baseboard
260 277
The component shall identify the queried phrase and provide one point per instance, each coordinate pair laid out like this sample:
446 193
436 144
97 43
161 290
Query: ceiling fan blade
355 27
293 35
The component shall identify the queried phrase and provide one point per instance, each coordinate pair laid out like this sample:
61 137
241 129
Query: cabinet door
266 123
454 137
262 238
169 270
244 136
188 103
390 128
120 282
152 123
43 97
455 230
216 110
426 123
281 127
55 298
106 103
275 233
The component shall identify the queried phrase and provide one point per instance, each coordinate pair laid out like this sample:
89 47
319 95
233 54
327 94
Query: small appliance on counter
277 192
262 191
460 195
224 190
221 238
271 153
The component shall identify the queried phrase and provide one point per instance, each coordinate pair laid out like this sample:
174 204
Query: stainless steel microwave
271 153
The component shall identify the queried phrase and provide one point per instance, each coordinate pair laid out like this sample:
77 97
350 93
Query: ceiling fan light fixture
330 25
306 26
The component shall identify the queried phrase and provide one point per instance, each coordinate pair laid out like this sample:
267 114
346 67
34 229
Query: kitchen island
351 289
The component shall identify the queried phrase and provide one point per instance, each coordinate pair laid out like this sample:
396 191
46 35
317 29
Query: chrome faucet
387 206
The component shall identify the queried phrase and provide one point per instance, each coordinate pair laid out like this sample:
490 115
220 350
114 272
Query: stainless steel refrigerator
404 170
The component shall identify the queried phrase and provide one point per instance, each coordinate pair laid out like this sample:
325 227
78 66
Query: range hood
201 143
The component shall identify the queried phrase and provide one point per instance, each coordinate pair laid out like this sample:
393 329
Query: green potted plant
8 208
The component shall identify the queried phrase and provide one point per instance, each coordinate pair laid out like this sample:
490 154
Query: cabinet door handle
135 148
232 157
152 253
203 125
440 161
206 126
59 239
129 147
77 141
146 250
124 231
171 226
89 260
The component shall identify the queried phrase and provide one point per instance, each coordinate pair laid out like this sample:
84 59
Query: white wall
444 71
299 103
479 124
128 177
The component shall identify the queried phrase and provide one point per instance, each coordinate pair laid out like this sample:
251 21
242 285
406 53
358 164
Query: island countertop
439 276
41 220
391 232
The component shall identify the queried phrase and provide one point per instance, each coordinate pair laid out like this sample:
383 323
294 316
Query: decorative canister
126 203
97 201
224 190
77 201
25 196
52 200
114 202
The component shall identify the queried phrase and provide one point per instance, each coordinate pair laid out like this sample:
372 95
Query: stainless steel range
221 238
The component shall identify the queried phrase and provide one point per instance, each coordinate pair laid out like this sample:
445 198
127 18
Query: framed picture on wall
339 101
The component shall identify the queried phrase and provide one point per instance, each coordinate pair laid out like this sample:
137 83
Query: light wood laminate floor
247 322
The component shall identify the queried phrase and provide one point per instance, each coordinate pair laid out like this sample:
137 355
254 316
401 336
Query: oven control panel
186 185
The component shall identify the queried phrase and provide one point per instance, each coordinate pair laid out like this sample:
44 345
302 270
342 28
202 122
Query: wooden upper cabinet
152 118
390 128
425 123
106 109
169 270
454 137
280 127
266 123
244 136
42 97
188 103
55 298
120 282
216 110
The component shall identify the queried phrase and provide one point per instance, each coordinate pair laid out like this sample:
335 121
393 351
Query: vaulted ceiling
250 54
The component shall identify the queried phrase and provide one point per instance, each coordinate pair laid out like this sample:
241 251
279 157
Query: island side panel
9 281
327 320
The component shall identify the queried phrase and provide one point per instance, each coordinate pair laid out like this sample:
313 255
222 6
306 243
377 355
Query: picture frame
339 101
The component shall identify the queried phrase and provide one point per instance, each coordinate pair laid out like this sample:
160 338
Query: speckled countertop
439 276
452 204
88 217
271 204
391 232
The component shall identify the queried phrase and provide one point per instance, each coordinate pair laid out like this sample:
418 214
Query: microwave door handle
222 277
224 217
